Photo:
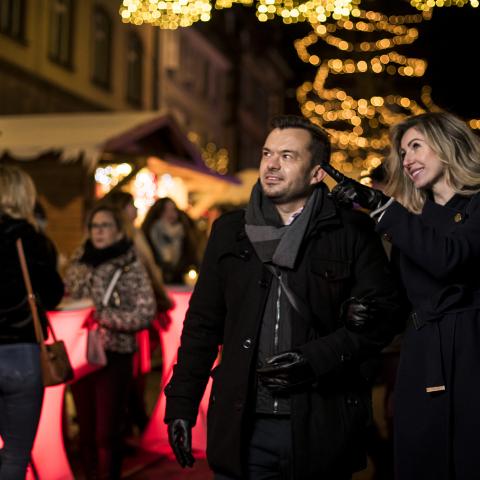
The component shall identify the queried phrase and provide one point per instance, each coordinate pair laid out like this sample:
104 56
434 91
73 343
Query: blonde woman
434 227
21 388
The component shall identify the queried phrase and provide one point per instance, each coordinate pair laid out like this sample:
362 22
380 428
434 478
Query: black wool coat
341 257
438 255
16 324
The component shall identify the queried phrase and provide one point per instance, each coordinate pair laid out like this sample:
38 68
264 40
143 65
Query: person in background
107 270
169 232
298 296
21 387
433 222
124 201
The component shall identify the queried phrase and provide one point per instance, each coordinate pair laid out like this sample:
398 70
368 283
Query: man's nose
273 162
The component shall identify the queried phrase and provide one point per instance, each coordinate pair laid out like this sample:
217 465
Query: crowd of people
298 295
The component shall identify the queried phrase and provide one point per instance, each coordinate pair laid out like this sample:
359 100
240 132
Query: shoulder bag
55 364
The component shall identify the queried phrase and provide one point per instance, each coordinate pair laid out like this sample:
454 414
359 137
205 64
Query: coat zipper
276 331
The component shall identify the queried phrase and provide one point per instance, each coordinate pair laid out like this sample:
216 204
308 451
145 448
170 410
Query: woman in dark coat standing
434 227
21 388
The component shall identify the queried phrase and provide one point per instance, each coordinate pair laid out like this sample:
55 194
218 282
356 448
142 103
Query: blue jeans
21 395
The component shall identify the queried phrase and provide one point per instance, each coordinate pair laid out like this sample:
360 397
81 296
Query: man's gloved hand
348 191
358 315
180 439
286 372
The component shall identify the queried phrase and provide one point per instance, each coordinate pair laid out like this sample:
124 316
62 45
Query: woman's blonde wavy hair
17 193
457 147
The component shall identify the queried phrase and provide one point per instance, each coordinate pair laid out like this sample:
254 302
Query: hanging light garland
167 14
425 5
359 126
293 11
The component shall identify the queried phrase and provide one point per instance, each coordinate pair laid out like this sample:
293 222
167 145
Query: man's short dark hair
319 147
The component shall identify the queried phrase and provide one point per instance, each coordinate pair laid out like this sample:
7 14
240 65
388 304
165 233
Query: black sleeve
41 260
438 253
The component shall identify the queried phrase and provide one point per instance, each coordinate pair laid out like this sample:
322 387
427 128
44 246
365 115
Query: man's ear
317 175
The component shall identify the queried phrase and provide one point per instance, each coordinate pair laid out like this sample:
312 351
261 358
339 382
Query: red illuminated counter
49 457
155 437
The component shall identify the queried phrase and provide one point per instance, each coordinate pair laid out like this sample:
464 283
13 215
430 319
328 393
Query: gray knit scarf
275 243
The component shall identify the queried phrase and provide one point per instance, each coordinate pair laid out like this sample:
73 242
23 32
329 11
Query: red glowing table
155 437
49 458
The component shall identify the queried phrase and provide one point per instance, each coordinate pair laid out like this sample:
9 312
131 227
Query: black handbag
54 361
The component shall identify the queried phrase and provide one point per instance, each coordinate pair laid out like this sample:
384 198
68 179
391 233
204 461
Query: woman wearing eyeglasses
107 270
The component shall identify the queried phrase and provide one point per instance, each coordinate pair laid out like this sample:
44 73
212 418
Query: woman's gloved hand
349 191
286 372
180 439
358 315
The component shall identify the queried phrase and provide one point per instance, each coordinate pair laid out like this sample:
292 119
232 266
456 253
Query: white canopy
25 137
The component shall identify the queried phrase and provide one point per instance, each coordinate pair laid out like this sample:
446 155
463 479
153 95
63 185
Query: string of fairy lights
364 43
171 14
359 125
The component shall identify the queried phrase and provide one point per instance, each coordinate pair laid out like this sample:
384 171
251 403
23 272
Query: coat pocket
331 281
331 270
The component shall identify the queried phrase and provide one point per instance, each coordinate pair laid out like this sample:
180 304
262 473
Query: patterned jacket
131 306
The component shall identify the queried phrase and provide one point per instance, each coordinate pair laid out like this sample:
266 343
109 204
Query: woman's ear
317 175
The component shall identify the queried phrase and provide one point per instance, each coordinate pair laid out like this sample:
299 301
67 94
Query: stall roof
88 135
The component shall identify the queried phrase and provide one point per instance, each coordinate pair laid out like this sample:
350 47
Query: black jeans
101 401
270 450
21 396
269 454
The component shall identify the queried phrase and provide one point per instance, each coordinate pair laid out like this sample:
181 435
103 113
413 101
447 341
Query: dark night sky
451 42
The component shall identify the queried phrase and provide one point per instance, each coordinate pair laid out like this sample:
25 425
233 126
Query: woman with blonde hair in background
21 387
433 223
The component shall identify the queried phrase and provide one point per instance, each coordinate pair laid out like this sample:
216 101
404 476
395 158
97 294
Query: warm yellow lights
215 158
359 125
190 278
429 4
169 14
293 11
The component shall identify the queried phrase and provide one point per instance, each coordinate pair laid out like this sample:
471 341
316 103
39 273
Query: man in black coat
297 296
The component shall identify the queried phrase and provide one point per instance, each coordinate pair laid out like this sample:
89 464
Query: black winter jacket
341 257
16 325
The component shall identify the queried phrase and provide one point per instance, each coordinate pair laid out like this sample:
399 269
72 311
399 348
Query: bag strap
31 297
111 286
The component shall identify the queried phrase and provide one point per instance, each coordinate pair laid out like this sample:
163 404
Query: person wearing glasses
106 269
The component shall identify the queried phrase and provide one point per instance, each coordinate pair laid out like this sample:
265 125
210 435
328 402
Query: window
102 45
134 69
12 19
61 32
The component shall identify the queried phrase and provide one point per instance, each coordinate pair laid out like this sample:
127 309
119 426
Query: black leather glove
349 191
286 372
180 439
358 315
